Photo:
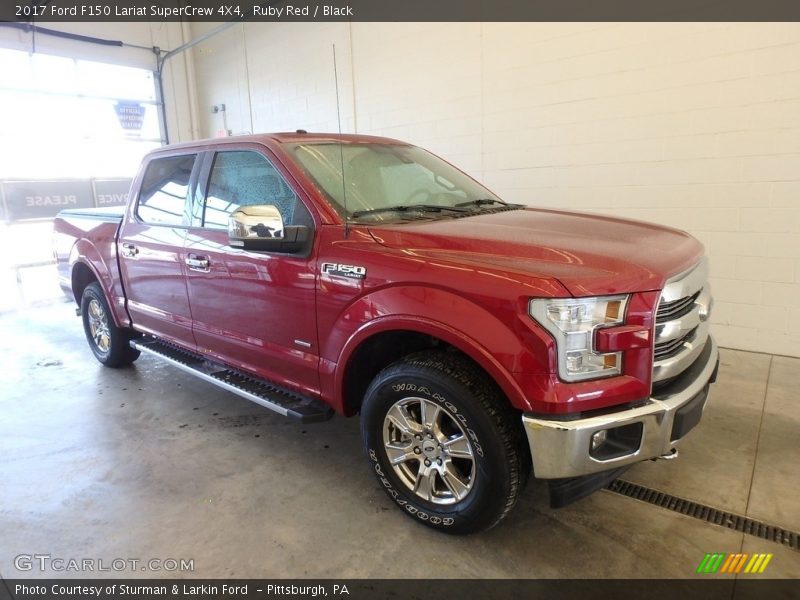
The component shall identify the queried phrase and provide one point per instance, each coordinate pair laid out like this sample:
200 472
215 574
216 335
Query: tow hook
668 456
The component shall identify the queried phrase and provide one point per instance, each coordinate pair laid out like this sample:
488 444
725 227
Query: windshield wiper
482 202
408 207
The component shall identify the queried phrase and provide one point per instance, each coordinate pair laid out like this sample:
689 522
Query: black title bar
399 10
709 588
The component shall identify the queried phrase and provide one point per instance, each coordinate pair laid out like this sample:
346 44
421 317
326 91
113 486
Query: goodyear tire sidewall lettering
402 498
401 501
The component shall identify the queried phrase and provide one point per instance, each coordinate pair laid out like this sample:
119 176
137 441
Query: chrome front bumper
561 449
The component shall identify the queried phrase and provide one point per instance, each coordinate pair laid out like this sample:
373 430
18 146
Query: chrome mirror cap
258 222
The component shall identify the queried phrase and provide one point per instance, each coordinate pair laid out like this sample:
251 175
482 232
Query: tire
109 343
469 463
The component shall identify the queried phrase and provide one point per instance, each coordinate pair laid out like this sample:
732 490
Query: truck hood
588 254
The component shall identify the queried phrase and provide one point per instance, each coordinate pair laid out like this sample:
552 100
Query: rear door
151 247
253 310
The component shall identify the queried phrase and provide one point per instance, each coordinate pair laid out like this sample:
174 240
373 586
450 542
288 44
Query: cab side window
244 178
164 190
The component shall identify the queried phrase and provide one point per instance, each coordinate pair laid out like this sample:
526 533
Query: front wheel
444 443
109 343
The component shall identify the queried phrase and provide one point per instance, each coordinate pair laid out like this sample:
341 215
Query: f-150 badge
349 271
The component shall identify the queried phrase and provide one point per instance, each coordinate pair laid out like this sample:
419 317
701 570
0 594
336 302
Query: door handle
197 263
129 250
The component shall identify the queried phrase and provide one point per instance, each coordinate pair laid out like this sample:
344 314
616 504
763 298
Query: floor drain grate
707 513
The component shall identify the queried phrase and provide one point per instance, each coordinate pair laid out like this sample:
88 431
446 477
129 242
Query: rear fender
103 264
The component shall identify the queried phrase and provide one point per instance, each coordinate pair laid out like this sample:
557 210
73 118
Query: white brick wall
692 125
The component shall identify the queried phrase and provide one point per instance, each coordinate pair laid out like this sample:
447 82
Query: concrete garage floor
147 462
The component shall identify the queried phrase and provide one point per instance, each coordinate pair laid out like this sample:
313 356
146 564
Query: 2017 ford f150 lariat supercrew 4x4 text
482 343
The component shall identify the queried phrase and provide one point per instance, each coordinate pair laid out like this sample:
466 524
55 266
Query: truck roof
271 139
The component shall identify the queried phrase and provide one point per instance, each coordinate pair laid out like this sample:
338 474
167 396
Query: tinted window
244 179
164 189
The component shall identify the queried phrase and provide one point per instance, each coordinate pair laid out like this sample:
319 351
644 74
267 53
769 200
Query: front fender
454 319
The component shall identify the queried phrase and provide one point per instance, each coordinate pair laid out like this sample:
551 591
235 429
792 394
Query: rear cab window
164 193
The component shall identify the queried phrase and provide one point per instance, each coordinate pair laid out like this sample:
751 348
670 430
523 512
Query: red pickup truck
482 343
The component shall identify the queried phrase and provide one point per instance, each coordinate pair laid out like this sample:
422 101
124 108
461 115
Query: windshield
385 181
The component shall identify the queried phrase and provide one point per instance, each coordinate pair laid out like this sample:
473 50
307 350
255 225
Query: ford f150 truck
482 343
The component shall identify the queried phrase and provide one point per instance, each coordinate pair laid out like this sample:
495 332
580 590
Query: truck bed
89 236
109 213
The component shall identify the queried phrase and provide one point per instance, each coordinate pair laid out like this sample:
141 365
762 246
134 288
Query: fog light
616 442
598 439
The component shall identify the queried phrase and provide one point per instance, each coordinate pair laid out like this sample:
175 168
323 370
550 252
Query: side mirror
260 227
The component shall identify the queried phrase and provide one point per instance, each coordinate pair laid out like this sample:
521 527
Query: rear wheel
444 443
109 343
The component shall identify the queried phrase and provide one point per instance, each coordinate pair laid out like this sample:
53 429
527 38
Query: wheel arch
89 263
82 275
386 340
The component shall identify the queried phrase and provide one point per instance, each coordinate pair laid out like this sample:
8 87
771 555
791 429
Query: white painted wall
691 125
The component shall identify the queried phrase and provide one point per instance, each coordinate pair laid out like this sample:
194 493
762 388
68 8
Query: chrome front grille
681 329
670 348
677 308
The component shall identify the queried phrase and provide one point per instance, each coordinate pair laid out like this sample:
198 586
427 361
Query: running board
268 395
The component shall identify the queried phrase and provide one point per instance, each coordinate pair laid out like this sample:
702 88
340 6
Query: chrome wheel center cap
430 449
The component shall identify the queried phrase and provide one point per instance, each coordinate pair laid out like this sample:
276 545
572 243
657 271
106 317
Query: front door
253 310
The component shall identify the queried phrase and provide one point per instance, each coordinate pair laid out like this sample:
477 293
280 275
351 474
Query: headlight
572 322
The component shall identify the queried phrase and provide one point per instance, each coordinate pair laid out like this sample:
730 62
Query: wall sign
130 115
111 192
26 200
43 199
